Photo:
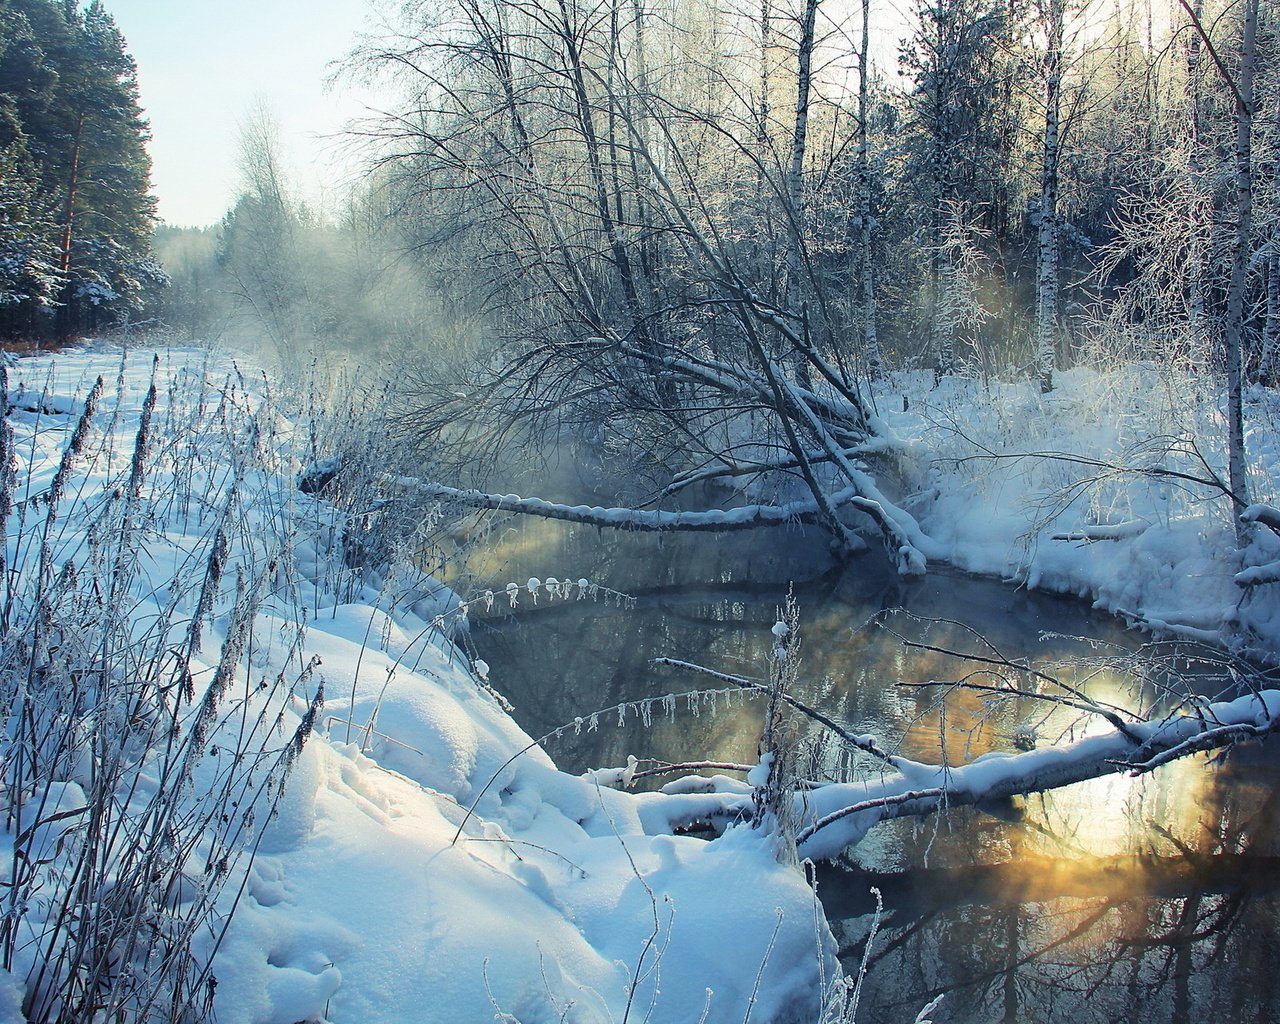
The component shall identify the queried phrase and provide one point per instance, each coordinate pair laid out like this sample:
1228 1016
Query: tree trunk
1269 367
866 298
795 176
66 314
1236 468
1047 247
1197 209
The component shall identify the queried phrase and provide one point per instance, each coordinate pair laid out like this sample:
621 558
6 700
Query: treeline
280 276
76 214
1034 176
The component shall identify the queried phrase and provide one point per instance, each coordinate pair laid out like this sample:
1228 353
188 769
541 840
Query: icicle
512 592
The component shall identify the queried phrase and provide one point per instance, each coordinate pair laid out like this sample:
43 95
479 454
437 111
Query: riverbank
254 766
269 787
1106 488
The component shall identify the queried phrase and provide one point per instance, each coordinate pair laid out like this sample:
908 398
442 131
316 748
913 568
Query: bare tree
606 204
1241 89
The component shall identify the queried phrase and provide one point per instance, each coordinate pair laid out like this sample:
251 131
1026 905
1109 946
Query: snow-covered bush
142 753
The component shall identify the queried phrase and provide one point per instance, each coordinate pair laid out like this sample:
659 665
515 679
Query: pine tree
72 90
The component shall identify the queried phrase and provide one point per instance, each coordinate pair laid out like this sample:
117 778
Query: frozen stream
1151 900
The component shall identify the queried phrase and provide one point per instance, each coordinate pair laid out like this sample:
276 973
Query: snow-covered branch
835 817
923 789
711 520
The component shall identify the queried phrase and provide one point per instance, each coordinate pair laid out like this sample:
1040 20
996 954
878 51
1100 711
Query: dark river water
1152 899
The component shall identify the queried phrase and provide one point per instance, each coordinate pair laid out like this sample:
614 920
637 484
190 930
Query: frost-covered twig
862 741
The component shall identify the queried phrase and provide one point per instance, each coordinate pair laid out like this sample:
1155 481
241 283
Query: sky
203 65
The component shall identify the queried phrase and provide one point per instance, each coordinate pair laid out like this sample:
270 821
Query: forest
667 219
893 394
76 216
647 196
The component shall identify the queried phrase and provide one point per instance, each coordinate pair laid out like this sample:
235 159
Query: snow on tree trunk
1047 242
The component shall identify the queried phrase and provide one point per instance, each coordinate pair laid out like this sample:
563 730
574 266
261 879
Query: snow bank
1103 488
425 860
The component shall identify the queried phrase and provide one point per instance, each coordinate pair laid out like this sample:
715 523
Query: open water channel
1154 899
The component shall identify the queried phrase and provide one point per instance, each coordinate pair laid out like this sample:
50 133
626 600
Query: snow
1125 513
426 861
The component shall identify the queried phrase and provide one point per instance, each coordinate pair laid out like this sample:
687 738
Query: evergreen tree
76 126
957 64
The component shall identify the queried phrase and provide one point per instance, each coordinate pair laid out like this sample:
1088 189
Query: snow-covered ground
246 721
425 861
1093 490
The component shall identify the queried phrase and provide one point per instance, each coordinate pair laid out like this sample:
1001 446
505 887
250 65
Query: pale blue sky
201 63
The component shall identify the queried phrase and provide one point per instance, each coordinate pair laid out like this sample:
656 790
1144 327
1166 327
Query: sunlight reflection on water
1116 899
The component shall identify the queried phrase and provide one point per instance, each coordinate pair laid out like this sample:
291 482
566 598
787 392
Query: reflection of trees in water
1115 900
574 659
1181 929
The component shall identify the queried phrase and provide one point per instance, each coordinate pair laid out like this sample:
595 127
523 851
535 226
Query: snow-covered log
836 817
1256 575
839 816
712 520
1266 515
1116 531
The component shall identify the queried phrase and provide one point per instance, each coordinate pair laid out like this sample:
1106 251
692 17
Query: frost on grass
254 738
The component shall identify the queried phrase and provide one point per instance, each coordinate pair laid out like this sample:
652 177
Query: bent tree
639 218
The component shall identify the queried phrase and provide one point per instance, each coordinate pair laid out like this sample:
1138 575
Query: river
1122 899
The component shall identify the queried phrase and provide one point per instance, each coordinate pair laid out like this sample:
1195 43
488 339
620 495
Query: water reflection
1163 919
1118 899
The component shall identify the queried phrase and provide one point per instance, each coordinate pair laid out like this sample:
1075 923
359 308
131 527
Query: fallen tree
632 314
835 817
824 819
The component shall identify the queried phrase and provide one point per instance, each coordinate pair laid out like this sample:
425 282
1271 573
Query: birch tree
1051 15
